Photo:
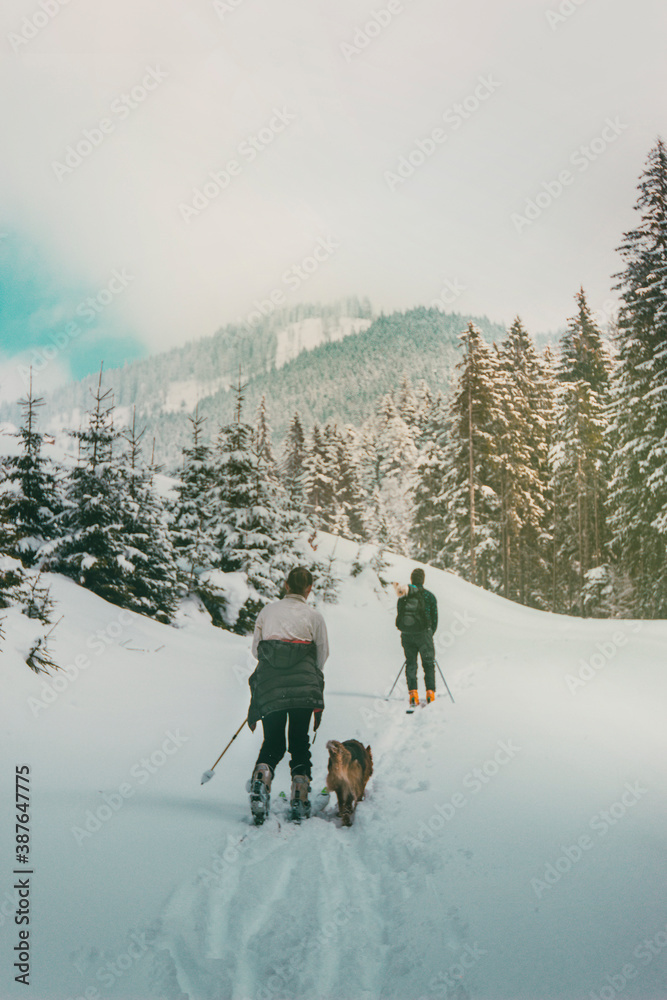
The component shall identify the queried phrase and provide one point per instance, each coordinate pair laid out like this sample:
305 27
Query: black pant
422 643
273 748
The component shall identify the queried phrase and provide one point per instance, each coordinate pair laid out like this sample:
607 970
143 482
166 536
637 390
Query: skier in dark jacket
417 619
291 645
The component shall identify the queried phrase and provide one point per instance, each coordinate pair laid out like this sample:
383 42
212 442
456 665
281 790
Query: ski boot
414 698
260 788
300 803
430 696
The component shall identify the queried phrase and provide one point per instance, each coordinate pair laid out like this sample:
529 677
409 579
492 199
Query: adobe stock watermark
293 278
562 13
8 906
459 625
601 823
33 24
235 850
89 310
121 108
605 653
644 953
449 983
454 117
452 289
224 7
581 159
473 782
97 643
371 29
109 973
141 772
247 151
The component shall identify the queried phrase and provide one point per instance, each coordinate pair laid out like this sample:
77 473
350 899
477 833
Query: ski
259 801
413 708
319 803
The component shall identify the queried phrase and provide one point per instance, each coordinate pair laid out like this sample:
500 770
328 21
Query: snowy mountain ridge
327 362
519 826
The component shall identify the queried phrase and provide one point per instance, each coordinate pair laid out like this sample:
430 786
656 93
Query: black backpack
411 616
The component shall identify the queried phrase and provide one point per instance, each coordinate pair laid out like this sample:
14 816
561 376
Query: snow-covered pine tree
248 524
581 468
190 512
430 520
318 480
390 477
151 575
37 600
350 496
30 500
524 468
471 491
638 493
91 548
407 404
425 400
345 511
285 519
262 443
293 465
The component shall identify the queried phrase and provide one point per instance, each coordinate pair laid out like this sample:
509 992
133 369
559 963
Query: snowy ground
511 846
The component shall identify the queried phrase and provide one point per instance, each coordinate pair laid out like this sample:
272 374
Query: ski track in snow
337 913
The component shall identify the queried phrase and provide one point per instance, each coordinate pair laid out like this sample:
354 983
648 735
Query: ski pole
207 775
444 681
396 681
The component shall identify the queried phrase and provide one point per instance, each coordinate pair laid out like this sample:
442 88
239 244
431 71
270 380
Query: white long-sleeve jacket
292 619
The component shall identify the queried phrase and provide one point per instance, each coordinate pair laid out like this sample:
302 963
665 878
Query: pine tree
29 501
262 437
318 480
253 534
351 498
429 527
191 514
407 404
582 459
472 487
638 495
151 575
293 465
528 394
91 549
345 510
391 476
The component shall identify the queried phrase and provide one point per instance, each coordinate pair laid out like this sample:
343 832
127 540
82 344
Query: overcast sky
401 140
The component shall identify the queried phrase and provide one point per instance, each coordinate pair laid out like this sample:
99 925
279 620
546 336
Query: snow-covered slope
511 845
306 334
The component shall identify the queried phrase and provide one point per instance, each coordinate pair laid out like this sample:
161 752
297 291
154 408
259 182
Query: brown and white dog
350 767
